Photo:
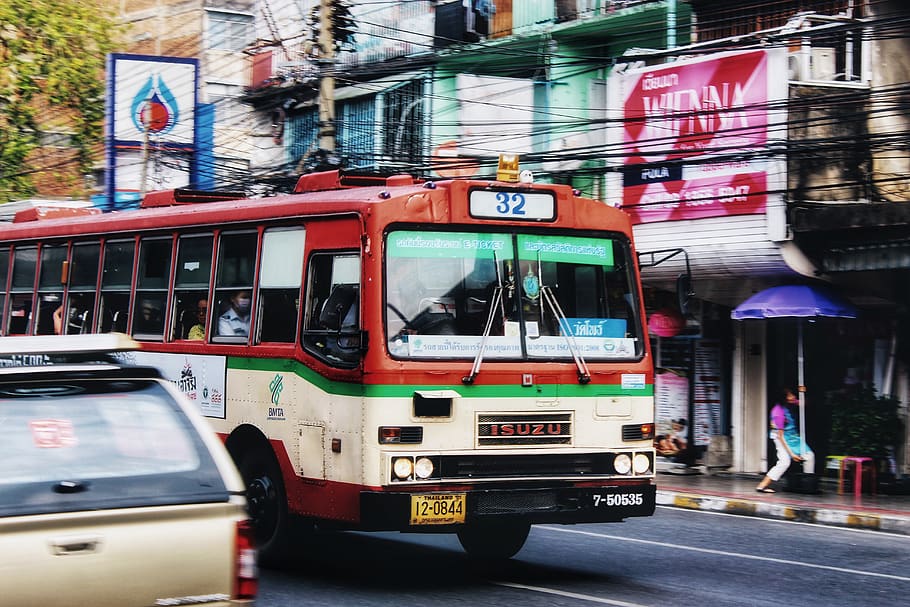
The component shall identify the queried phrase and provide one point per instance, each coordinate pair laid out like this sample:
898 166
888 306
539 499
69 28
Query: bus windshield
533 295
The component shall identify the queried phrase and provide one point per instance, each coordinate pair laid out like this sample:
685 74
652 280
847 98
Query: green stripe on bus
283 365
513 391
288 365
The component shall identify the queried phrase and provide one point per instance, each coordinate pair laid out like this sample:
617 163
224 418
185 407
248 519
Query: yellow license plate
437 508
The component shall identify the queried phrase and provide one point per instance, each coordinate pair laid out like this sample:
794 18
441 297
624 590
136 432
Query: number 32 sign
511 204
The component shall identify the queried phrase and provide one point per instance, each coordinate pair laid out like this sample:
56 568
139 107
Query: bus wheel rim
261 496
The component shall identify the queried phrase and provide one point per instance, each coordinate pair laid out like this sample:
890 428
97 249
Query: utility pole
144 114
327 78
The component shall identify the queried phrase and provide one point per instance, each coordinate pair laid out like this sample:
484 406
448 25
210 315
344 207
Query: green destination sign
449 245
567 249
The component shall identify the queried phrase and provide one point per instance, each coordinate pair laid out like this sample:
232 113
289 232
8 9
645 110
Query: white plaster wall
749 425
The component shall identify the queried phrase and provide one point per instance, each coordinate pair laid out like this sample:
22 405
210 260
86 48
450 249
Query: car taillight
247 575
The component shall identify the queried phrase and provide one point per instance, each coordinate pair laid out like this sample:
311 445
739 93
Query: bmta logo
275 387
154 108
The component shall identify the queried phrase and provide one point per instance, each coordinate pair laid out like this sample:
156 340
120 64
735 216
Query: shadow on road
431 561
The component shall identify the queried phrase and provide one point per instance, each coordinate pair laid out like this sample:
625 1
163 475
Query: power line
552 120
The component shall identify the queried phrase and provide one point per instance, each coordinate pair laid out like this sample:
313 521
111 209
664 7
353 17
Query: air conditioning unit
822 64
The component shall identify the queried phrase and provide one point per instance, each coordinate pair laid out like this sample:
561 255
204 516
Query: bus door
332 319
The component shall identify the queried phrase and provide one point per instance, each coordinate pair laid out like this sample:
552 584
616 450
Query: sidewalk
735 493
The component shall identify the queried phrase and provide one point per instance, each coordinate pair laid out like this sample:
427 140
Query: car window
81 444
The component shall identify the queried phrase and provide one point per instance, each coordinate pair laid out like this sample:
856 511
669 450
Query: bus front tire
266 503
497 540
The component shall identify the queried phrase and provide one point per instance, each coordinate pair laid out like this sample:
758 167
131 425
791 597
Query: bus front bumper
401 510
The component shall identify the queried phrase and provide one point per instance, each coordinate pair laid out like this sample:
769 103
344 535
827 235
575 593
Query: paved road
676 558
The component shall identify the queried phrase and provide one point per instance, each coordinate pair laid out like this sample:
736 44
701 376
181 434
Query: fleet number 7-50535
618 499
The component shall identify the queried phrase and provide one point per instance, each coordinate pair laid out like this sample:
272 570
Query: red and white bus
462 356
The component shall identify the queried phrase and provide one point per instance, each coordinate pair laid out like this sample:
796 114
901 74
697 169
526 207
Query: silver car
113 489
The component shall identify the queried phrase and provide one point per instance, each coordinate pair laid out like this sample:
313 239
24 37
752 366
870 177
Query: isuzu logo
532 429
526 429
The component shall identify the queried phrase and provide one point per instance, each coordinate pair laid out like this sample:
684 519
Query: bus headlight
423 468
402 467
622 463
641 463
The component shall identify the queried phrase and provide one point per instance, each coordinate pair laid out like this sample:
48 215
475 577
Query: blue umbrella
796 301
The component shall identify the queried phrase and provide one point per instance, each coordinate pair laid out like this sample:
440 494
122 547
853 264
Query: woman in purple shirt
790 446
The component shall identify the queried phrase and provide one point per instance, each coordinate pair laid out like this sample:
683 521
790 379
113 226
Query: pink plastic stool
857 475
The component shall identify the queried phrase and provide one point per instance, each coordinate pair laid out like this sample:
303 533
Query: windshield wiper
496 303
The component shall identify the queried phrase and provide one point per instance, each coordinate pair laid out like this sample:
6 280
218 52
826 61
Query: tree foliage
343 25
52 59
863 423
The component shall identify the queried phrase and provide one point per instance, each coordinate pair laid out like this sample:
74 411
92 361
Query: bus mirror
684 292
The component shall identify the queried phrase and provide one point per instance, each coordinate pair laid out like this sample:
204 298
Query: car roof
95 343
58 353
61 358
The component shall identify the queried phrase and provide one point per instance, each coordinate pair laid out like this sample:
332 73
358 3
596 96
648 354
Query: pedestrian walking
787 440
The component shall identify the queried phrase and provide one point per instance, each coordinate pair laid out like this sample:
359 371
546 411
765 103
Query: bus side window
236 262
190 312
151 288
79 313
22 290
83 281
280 275
4 273
332 326
50 290
116 280
148 317
191 286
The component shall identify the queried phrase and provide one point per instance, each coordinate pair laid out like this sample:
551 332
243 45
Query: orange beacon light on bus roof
508 168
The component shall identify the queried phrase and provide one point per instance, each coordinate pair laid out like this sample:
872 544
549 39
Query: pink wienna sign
695 136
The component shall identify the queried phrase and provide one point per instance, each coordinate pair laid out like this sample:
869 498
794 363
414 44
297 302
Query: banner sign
200 378
151 122
695 135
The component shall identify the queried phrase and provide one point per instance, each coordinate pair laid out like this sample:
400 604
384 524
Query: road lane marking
570 595
732 554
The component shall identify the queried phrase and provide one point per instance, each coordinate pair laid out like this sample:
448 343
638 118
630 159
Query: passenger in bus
149 320
235 321
197 331
58 320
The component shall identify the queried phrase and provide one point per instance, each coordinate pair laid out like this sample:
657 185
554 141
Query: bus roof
319 194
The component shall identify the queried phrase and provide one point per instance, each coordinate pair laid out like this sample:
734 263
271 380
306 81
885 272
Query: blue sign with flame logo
155 109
